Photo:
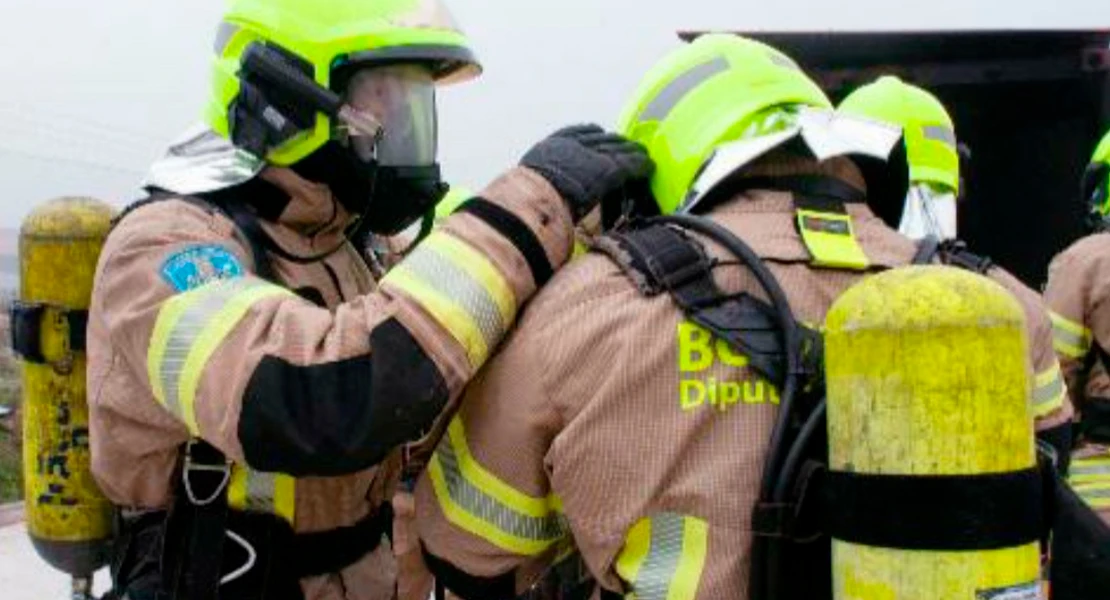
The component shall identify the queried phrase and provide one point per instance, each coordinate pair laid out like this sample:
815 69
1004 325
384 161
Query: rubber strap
467 586
516 231
942 513
26 325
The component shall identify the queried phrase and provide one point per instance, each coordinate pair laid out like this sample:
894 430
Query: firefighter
251 384
611 423
929 215
1076 293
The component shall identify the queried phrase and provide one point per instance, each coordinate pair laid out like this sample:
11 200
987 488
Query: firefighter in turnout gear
1076 293
611 423
250 384
928 215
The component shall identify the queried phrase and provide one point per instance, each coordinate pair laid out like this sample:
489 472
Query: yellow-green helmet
1096 184
326 35
705 94
930 136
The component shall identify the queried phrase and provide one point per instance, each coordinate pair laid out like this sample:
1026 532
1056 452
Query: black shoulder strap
660 258
953 253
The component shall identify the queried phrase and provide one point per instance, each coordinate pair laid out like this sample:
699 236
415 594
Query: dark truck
1030 106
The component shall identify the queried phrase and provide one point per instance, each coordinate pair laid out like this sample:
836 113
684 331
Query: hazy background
92 91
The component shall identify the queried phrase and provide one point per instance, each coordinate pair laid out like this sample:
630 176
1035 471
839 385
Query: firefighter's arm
1050 403
1068 295
286 386
489 524
1052 407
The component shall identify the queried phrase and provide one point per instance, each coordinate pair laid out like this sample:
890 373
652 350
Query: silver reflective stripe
653 581
1072 341
260 491
1081 468
1049 391
186 330
454 283
669 96
1088 494
783 61
940 133
223 36
487 509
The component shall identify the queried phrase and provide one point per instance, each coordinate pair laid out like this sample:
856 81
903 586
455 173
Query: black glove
585 163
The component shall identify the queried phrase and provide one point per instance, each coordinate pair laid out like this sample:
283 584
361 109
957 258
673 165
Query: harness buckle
191 465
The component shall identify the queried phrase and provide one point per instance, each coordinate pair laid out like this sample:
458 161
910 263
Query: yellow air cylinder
927 376
68 518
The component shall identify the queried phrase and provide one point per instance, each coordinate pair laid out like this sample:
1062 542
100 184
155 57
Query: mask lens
402 99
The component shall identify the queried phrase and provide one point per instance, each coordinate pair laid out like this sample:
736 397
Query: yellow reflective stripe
1096 495
461 289
168 316
1089 470
695 542
481 270
1068 337
188 329
632 555
478 502
476 474
579 249
1049 391
444 310
663 557
271 493
211 336
175 322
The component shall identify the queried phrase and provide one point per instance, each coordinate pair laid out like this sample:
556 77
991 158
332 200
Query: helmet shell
927 128
328 35
703 95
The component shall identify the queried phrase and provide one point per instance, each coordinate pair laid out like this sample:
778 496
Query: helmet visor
402 100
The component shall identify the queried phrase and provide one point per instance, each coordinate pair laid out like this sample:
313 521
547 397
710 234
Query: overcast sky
92 91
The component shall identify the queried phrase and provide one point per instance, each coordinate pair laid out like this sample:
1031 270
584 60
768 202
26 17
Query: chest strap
659 258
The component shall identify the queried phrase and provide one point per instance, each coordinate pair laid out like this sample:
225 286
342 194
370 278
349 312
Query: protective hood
825 133
202 161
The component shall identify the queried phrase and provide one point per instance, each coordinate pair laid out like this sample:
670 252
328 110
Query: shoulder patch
197 265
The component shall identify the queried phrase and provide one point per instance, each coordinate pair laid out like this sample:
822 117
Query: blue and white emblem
198 265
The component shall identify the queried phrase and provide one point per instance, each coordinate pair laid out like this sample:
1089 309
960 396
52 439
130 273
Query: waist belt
206 551
335 549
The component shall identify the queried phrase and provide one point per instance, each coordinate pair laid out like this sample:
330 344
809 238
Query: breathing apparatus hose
765 550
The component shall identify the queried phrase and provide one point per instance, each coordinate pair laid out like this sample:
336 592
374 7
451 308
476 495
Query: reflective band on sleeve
1068 337
940 133
478 502
1094 469
271 493
1096 495
663 557
1049 391
459 286
189 329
